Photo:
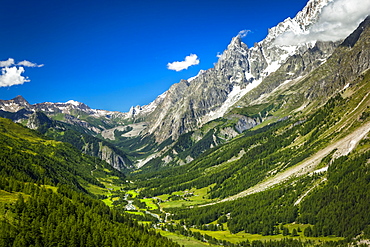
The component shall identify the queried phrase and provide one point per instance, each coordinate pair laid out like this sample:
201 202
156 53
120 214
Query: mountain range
191 103
273 138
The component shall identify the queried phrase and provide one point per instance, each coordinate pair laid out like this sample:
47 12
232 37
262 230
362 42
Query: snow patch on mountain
194 77
147 109
73 102
233 97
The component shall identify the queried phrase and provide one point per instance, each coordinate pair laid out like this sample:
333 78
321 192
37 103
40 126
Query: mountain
67 128
189 104
70 109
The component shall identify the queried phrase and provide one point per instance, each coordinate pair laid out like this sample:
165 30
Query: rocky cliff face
38 119
108 154
322 71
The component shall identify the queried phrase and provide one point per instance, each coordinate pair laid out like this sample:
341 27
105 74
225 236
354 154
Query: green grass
242 236
198 198
95 189
53 188
149 203
108 202
135 213
133 193
163 197
58 116
182 240
106 170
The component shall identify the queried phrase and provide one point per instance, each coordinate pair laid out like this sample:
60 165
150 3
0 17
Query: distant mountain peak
20 100
300 23
73 102
236 41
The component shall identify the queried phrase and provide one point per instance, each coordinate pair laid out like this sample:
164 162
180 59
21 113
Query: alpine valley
270 147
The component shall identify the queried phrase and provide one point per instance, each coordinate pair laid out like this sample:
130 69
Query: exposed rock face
77 122
347 68
295 67
38 119
107 154
246 123
111 157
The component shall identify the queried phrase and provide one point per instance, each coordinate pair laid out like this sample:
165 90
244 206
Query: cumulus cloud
337 20
190 60
7 63
12 76
29 64
243 33
11 73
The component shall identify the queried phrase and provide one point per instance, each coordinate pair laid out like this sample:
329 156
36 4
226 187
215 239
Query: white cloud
7 63
190 60
337 20
243 33
11 73
29 64
12 76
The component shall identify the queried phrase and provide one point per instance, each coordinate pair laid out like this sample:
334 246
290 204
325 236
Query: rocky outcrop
38 120
118 162
246 123
296 66
109 154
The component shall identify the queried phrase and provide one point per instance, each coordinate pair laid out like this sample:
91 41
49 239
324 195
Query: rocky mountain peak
300 23
235 42
15 104
235 48
20 100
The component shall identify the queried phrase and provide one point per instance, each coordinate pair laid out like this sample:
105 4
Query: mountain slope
30 157
73 131
45 197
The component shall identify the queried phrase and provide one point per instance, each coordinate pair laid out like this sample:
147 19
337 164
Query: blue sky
114 54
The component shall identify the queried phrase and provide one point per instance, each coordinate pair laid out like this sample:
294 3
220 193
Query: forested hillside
46 197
